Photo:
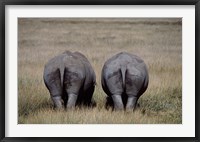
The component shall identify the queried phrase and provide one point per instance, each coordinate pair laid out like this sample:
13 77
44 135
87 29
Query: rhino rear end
124 80
66 78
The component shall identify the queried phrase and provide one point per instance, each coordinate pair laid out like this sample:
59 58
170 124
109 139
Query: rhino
124 79
70 79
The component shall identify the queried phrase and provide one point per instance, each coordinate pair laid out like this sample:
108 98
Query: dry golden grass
157 41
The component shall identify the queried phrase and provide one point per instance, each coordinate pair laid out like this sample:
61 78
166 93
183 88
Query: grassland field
157 41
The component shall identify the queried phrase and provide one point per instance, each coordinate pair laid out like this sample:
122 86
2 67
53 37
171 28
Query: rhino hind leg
52 81
72 86
134 86
131 103
118 103
72 98
71 102
58 102
115 89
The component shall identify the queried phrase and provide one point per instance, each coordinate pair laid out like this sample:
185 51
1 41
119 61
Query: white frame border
186 129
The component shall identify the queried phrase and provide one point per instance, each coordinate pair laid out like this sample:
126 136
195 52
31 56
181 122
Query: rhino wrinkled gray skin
70 80
124 79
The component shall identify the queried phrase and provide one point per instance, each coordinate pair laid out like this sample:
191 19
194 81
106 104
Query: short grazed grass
157 41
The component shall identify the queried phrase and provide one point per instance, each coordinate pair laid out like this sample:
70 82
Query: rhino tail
123 73
62 75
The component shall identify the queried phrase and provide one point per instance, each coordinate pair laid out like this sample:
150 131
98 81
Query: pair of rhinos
71 80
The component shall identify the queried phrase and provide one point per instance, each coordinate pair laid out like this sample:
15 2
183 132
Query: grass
157 41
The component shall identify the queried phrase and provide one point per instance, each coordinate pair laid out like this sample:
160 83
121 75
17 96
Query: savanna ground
157 41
